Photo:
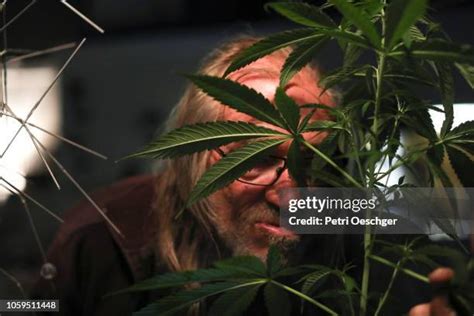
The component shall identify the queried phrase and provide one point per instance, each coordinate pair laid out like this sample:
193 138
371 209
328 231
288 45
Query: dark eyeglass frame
279 170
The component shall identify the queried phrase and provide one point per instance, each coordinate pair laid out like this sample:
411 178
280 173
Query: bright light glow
462 112
25 87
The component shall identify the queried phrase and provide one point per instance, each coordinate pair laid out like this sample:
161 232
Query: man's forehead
263 76
301 92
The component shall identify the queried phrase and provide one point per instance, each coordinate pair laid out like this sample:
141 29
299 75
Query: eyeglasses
265 173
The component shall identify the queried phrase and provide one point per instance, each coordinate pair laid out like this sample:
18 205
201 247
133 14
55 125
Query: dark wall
121 86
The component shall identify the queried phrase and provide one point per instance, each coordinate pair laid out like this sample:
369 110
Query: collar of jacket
129 208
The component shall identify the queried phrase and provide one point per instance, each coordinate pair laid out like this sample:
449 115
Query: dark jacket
92 259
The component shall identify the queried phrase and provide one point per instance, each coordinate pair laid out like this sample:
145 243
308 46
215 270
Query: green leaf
238 97
231 167
175 279
270 44
349 283
203 136
408 78
339 294
404 270
371 7
234 302
465 129
302 13
336 111
289 110
312 279
274 260
467 71
401 15
462 136
327 147
413 34
277 300
305 120
450 253
296 163
324 177
360 19
351 55
322 125
393 144
244 265
446 84
437 173
465 145
440 50
462 165
420 121
346 37
299 57
339 75
435 154
174 303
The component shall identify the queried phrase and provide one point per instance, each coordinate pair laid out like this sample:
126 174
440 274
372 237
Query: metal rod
84 193
5 26
33 140
43 96
33 228
42 52
62 138
82 16
44 208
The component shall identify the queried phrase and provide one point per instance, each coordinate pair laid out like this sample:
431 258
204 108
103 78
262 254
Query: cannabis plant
391 51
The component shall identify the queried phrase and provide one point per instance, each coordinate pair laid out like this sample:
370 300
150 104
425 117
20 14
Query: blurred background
116 92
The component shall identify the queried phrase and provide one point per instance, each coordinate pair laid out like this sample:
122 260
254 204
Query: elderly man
92 260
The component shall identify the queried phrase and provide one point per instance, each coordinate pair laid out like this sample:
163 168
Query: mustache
261 212
267 213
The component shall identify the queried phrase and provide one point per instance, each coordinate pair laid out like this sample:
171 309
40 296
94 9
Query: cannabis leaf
236 281
203 136
271 44
360 19
289 110
401 15
238 97
231 167
301 55
302 13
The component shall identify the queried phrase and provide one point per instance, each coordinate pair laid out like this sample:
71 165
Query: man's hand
439 305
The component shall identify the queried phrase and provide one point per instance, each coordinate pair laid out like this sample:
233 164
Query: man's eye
252 173
268 161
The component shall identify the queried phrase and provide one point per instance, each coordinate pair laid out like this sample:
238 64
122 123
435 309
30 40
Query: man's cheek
241 194
315 137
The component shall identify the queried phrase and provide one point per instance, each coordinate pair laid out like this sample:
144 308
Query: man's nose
272 192
282 150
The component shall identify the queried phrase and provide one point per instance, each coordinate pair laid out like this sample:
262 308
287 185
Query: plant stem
356 145
333 164
402 161
375 129
305 297
389 287
366 271
378 96
409 272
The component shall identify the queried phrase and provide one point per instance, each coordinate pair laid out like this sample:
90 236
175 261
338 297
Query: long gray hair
191 241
